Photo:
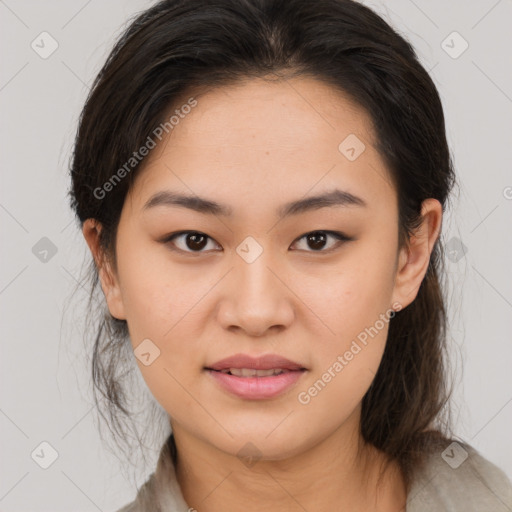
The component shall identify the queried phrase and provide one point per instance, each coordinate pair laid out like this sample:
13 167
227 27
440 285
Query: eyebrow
332 198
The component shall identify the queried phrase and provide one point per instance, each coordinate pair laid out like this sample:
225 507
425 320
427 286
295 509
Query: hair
178 48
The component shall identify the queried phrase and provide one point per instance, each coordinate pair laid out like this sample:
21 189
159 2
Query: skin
253 147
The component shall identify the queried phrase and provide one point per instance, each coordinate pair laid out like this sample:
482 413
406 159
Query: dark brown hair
179 47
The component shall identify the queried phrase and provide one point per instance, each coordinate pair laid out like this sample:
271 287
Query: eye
317 240
193 240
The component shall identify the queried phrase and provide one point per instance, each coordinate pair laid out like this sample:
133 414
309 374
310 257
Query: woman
261 184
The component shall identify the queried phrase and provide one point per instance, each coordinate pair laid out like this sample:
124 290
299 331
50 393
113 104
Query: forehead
259 141
284 114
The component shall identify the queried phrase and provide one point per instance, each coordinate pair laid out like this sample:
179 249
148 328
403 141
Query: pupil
194 241
313 237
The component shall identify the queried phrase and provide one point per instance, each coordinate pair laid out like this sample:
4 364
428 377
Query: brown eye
191 241
318 240
195 241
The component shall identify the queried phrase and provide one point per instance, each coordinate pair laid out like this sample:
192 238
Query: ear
91 230
413 260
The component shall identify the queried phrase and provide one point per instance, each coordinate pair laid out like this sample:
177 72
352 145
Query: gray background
45 388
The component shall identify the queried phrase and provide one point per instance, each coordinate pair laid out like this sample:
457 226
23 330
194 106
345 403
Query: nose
256 298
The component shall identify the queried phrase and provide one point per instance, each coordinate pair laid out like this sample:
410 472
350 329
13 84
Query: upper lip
265 362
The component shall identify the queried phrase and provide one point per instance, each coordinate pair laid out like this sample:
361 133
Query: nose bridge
253 277
259 299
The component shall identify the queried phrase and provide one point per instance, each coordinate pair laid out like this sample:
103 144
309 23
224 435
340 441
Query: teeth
247 372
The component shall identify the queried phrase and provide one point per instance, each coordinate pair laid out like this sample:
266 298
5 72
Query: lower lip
257 388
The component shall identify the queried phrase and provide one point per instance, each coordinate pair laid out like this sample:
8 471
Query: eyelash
339 236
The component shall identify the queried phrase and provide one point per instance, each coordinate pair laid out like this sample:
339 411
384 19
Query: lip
256 388
264 362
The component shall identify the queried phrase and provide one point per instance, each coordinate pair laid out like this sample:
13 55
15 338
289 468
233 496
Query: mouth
251 372
255 383
255 378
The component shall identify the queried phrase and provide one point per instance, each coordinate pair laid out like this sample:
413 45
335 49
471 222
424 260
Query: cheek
155 298
333 393
161 309
347 361
355 305
353 294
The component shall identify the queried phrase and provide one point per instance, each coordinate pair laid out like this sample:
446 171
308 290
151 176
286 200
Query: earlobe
414 259
109 282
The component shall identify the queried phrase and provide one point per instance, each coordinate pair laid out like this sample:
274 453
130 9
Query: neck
340 471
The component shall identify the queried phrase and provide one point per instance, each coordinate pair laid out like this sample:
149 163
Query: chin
257 444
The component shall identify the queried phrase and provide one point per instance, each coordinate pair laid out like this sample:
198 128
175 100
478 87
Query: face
313 282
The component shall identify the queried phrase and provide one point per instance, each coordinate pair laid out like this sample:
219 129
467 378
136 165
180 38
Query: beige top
459 479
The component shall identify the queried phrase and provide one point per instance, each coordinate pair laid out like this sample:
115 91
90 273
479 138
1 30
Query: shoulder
161 491
459 478
145 496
